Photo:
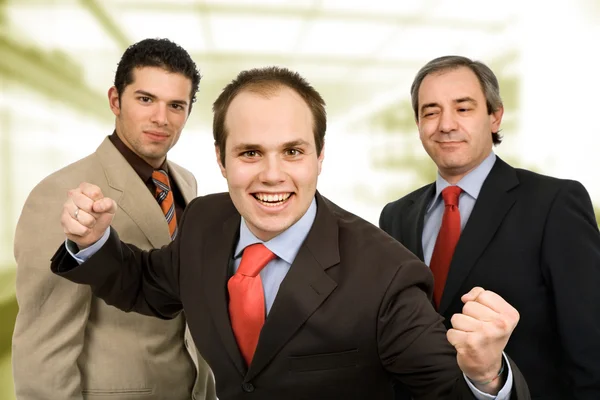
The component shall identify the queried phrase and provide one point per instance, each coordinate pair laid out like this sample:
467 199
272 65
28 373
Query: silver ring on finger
76 213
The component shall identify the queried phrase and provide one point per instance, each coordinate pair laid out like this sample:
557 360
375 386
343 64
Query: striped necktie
164 197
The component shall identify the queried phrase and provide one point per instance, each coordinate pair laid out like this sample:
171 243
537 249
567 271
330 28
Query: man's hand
87 214
480 335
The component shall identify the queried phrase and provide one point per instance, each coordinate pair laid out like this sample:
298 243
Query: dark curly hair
161 53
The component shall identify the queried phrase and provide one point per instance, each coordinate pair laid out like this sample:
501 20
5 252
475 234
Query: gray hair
487 79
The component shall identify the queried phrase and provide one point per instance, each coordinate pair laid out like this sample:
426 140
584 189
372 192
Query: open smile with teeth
272 199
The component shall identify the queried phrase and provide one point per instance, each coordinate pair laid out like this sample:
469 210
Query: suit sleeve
384 218
146 282
53 312
390 220
412 341
571 263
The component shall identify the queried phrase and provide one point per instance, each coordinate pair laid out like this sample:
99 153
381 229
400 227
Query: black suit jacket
353 311
533 240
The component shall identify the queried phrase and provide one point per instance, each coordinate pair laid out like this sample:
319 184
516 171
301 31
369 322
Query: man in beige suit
67 343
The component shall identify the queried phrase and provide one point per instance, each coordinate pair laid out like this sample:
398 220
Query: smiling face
151 112
271 161
454 125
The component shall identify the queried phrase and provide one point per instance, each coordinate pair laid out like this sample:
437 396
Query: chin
454 162
153 152
271 230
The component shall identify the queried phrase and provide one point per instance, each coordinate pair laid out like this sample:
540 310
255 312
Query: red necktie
164 197
247 299
446 241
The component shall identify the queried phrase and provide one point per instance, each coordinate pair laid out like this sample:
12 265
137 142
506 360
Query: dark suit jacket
353 311
533 240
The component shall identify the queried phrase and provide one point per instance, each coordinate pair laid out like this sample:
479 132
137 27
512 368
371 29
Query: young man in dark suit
530 238
287 295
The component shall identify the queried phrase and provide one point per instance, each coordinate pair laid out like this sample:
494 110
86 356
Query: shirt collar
470 183
285 245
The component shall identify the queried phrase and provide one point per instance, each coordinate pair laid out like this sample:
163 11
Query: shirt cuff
503 394
82 256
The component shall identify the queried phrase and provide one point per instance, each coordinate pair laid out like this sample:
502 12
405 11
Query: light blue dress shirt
285 246
471 186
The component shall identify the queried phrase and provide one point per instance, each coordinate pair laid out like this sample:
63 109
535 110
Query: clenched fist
480 335
86 214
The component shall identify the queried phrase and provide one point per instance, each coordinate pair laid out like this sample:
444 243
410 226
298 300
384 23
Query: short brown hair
487 80
267 81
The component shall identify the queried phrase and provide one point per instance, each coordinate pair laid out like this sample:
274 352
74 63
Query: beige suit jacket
67 343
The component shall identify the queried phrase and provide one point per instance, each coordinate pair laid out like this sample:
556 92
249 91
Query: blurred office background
58 57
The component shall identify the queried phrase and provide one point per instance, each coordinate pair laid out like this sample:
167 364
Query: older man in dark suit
532 239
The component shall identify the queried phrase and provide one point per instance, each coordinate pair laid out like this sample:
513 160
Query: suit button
247 387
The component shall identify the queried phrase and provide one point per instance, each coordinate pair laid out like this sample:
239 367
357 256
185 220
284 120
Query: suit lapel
218 251
145 212
187 191
494 201
414 222
303 290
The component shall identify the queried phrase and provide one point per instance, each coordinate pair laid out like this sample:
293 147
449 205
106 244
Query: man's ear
496 119
320 159
221 165
113 101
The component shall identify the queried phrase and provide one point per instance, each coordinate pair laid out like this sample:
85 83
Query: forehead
450 84
275 117
159 81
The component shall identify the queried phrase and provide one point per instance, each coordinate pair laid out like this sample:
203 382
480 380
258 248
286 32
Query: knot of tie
450 195
255 258
161 180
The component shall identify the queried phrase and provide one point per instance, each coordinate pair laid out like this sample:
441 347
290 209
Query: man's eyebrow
466 99
152 96
246 147
295 143
144 93
429 105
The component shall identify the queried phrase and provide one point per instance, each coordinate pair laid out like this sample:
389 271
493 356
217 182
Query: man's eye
293 152
250 153
145 99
